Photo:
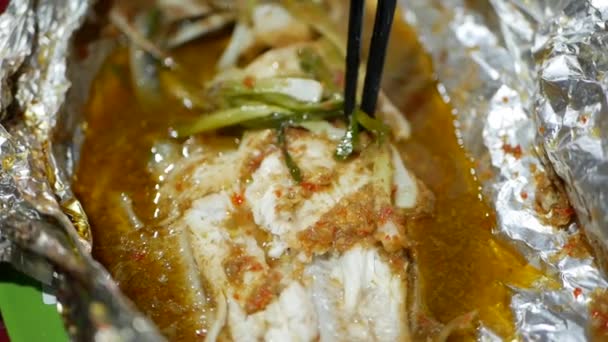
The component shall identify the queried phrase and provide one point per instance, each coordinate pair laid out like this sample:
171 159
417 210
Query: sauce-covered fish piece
284 260
260 229
282 240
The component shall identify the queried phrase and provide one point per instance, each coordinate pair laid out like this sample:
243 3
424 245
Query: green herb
228 117
285 101
277 119
269 90
293 168
373 125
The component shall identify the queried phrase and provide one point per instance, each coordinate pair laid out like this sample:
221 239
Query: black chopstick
377 53
353 56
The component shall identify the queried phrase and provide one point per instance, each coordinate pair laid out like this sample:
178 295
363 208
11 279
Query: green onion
293 168
285 101
268 90
371 124
278 119
228 117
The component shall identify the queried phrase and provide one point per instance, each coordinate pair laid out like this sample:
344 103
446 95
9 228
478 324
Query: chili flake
138 256
385 214
339 78
249 82
568 211
312 187
237 199
513 150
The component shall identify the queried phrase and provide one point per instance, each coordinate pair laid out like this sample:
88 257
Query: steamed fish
293 226
286 261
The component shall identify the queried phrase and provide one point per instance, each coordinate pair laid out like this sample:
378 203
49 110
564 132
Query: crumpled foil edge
487 65
572 110
486 60
35 40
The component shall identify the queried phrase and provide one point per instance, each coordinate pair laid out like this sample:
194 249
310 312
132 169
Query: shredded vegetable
228 117
277 119
285 101
293 168
371 124
303 90
279 102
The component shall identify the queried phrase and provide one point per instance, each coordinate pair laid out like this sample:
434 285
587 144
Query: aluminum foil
572 110
36 235
527 77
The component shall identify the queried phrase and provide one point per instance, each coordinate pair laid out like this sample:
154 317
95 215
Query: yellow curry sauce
463 266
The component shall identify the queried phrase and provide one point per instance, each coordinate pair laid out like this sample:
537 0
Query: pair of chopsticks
377 52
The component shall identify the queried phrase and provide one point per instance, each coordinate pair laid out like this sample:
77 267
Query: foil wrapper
526 80
572 110
43 230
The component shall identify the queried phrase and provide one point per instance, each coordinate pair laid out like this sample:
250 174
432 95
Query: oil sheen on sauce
463 266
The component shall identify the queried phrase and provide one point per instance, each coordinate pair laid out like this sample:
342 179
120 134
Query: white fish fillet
282 261
287 287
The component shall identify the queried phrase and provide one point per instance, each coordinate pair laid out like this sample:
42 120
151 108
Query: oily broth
114 161
463 266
